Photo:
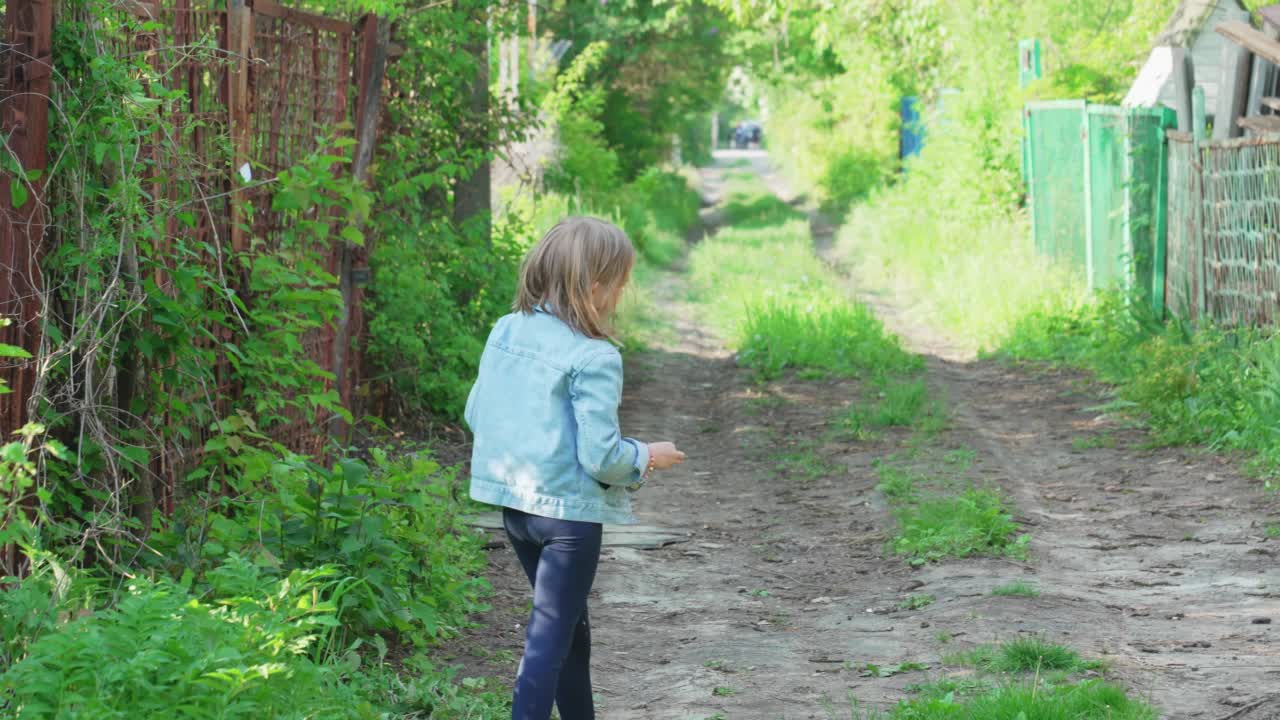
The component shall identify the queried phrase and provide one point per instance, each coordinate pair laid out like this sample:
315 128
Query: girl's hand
664 455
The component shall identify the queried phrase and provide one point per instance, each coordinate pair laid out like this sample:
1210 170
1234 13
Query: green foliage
436 293
1018 588
160 649
585 165
438 282
10 351
664 68
393 528
429 691
1086 700
974 522
762 283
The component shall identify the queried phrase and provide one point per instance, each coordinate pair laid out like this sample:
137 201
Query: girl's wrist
652 462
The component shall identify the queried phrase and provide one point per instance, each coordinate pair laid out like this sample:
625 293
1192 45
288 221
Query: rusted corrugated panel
24 112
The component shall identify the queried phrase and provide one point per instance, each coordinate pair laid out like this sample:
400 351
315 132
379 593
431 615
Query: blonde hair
558 274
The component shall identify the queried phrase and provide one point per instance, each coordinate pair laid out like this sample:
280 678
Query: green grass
970 275
1018 588
761 285
842 338
898 484
723 691
804 463
745 207
1028 654
916 602
901 402
974 522
1031 700
1272 531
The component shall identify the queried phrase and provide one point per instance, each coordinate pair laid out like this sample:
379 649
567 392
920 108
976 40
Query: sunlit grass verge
843 339
971 276
1212 386
762 286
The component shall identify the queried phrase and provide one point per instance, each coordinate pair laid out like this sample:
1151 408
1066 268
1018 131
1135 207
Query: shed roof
1188 20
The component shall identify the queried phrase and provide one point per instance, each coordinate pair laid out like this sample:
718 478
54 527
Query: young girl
544 412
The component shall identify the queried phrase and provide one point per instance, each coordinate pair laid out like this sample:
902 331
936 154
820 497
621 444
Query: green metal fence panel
1108 244
1148 205
1096 174
1057 179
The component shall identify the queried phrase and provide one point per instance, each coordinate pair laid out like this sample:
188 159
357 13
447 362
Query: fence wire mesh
1241 185
1224 233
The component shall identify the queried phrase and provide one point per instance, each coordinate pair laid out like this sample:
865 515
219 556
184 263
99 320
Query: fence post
1086 142
239 45
1197 169
370 71
1159 250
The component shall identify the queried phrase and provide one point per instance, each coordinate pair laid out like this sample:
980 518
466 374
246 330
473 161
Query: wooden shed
1191 27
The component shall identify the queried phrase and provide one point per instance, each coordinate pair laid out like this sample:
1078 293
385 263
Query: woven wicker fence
1224 230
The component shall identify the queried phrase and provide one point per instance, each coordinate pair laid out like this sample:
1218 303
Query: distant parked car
746 134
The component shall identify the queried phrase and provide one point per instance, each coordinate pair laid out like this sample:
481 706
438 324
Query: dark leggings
560 558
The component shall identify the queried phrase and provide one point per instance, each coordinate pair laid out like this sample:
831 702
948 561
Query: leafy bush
161 651
850 177
394 528
436 292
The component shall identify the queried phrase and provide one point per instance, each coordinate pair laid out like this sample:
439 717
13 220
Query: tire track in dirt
783 592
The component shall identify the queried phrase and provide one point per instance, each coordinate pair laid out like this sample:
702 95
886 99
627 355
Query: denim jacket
544 413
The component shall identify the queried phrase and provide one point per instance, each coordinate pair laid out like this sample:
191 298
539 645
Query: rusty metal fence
261 83
1224 230
24 109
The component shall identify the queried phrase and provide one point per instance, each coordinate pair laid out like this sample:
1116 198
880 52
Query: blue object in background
912 136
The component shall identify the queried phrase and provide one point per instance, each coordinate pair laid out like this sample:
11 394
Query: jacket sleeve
604 454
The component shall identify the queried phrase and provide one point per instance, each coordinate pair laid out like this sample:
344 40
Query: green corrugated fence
1096 179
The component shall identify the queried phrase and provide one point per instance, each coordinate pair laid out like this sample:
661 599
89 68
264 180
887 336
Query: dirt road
782 594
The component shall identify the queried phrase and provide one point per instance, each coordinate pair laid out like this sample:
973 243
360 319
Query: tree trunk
471 196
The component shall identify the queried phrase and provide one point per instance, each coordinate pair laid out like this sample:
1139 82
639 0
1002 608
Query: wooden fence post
371 68
239 46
